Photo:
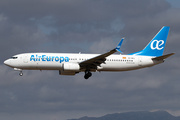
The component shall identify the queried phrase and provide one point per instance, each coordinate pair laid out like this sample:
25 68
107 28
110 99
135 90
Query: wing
91 64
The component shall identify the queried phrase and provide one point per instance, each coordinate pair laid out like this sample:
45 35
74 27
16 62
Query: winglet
119 45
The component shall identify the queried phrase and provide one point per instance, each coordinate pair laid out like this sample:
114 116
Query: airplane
71 63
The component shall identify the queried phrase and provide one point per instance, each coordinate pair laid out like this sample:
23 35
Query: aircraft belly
42 66
49 66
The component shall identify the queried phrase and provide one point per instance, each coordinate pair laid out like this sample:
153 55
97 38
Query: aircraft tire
21 74
87 75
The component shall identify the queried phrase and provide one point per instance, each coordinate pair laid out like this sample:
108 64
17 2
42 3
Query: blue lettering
56 58
36 57
32 58
61 59
43 58
66 59
39 58
49 58
52 58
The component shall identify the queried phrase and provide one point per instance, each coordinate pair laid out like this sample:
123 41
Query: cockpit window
14 57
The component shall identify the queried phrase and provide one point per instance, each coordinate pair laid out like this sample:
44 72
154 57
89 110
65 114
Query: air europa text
49 58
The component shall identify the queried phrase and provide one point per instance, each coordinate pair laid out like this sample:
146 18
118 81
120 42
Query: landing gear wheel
87 75
21 74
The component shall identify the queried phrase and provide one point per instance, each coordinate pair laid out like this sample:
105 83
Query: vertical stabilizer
156 46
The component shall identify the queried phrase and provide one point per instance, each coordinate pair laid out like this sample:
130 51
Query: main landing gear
87 74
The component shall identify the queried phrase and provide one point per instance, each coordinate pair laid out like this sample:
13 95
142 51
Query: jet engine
71 67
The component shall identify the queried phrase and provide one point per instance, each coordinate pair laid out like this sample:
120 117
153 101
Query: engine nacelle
71 67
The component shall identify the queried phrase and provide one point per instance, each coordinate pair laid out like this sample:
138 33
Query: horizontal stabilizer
163 57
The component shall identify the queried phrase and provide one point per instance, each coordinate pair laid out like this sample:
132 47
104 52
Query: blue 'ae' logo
49 58
155 44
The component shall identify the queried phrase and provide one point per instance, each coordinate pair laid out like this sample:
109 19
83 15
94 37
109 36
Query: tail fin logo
155 44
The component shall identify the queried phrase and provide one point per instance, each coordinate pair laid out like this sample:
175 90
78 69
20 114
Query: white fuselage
71 64
55 61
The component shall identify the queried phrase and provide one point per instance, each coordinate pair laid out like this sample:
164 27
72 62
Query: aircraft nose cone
7 62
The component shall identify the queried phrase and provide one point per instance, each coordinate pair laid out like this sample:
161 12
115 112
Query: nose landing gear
17 69
87 74
21 74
